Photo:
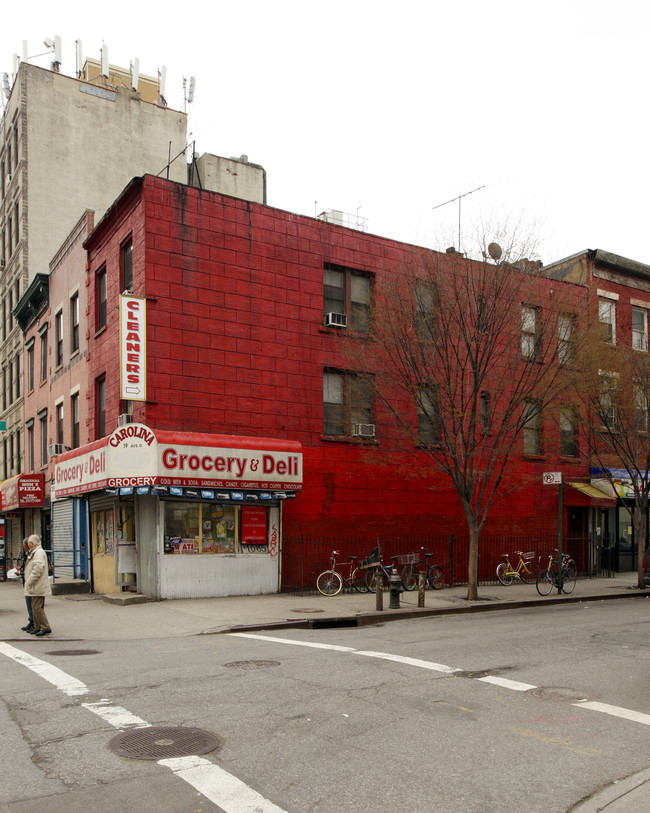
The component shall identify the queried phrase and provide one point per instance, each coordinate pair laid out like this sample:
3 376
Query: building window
195 527
126 265
11 310
640 409
4 388
17 366
568 432
639 328
10 236
42 420
100 296
530 318
59 423
486 412
5 459
347 404
347 293
607 400
429 429
607 319
10 376
16 226
12 459
4 321
58 338
425 309
18 452
30 446
100 407
30 367
74 323
74 414
44 355
532 428
566 325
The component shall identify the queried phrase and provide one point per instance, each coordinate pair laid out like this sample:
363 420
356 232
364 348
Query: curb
380 617
614 795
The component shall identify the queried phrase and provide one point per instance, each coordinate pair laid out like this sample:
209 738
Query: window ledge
572 459
359 441
99 332
534 456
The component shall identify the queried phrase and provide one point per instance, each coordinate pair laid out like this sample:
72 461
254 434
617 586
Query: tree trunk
472 566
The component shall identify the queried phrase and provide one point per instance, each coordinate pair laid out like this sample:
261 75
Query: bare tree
613 384
464 357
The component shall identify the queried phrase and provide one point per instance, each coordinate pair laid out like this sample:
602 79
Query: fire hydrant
395 588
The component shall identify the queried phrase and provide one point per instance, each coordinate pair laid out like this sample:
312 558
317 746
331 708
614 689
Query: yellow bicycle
526 570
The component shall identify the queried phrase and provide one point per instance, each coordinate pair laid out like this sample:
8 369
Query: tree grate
160 742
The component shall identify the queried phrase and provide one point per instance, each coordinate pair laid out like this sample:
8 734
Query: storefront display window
102 531
201 527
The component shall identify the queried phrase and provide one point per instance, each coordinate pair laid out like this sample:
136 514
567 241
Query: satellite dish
495 251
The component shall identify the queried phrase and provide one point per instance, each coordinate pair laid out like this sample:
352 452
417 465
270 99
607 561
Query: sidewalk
92 617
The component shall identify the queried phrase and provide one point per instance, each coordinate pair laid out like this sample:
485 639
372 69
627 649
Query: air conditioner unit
55 449
364 430
8 179
336 320
124 418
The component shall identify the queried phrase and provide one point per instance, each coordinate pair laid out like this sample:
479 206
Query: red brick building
238 344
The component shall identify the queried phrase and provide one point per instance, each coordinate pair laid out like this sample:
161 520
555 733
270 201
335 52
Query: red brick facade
236 345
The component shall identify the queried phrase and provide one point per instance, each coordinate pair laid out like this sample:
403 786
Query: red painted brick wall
235 344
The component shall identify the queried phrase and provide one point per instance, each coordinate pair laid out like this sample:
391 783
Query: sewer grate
252 664
160 742
74 652
557 693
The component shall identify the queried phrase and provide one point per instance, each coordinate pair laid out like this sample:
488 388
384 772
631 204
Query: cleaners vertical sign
133 348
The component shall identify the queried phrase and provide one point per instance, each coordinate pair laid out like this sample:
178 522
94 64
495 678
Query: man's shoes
41 633
32 631
27 627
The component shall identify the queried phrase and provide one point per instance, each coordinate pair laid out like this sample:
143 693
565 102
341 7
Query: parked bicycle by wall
550 577
414 566
330 582
526 570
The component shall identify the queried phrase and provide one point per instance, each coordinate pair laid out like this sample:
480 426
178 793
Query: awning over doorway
594 493
22 491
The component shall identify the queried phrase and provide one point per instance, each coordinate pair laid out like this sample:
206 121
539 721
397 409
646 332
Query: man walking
37 584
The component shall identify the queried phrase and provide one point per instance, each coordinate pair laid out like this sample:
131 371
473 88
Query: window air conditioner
8 179
336 320
364 430
55 449
124 418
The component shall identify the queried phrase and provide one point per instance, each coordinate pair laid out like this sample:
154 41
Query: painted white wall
217 575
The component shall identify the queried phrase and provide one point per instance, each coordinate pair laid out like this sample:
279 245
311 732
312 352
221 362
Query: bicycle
373 574
410 574
330 582
549 577
526 570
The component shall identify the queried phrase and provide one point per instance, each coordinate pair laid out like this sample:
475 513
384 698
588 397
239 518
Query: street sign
552 478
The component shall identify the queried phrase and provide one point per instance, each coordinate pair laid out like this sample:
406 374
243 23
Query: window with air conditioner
347 298
347 405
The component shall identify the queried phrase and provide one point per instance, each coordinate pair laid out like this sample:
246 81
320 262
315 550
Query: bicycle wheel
568 580
503 576
436 577
371 580
409 576
572 567
329 583
529 572
358 580
545 581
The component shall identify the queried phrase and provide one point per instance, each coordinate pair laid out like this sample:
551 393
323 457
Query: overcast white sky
398 107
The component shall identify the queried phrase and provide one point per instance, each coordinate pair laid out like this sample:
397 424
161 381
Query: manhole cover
74 652
159 742
308 610
252 664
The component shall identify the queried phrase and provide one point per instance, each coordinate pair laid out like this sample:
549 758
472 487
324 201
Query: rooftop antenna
79 59
104 68
5 85
135 73
459 199
162 81
16 65
54 45
188 95
25 52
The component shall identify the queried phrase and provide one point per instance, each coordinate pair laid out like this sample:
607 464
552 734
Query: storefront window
192 527
102 532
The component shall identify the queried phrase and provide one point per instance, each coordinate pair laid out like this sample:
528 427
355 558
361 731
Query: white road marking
615 711
116 715
225 790
505 683
387 656
311 644
515 685
67 684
